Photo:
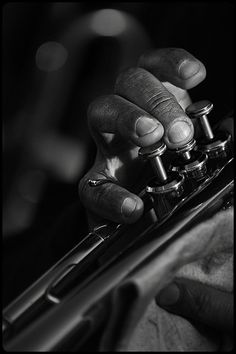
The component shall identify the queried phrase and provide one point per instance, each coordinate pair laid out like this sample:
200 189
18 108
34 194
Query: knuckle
91 198
161 101
129 77
97 108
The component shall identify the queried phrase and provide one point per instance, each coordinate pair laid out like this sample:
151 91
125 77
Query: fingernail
145 126
169 295
180 131
188 68
128 207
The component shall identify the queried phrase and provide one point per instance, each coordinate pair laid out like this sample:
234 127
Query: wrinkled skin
147 105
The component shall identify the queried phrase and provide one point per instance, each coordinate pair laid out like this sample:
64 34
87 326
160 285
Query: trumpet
54 313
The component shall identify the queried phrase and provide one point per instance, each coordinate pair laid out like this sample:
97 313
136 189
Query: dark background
42 215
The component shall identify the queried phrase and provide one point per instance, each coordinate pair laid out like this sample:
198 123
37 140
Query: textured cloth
136 323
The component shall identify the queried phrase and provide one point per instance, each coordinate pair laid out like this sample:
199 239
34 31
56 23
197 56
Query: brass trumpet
53 314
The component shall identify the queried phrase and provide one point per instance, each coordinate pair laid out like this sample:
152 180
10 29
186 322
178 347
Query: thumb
199 302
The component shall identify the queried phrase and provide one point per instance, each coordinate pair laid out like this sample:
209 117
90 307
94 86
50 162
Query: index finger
174 65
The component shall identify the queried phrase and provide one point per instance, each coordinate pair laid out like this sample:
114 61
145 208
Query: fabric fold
136 323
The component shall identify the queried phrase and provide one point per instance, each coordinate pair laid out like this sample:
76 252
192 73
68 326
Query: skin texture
200 303
147 105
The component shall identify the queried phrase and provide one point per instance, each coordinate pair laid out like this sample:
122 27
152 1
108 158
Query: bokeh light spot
51 56
108 22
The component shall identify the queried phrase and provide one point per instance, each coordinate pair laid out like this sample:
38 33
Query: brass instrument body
181 204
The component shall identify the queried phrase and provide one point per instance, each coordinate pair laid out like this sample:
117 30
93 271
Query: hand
201 303
148 104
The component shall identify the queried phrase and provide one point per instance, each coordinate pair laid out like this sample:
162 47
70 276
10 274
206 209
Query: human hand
148 104
200 303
